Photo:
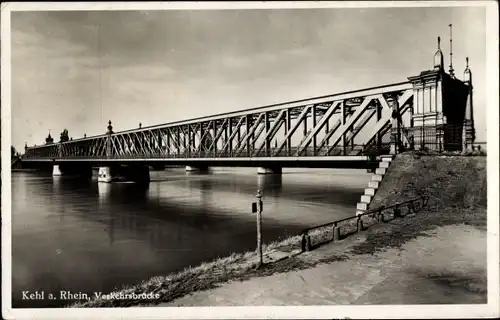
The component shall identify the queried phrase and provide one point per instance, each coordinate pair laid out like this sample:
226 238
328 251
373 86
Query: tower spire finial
438 57
451 52
467 72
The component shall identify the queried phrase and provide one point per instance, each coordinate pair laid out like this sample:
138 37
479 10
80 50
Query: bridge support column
75 170
135 173
197 169
267 170
106 174
56 171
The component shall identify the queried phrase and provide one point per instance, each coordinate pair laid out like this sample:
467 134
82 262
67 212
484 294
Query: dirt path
448 266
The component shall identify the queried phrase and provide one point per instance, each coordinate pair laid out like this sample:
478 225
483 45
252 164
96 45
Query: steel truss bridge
347 126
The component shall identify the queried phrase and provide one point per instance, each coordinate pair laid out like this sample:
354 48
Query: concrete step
373 184
370 191
380 171
362 206
384 164
377 177
366 199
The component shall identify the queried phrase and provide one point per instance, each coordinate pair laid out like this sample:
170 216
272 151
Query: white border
396 311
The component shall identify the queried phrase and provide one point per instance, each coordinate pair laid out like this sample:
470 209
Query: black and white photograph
202 160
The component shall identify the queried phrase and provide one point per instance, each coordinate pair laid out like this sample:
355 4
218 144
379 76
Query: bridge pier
266 170
107 174
56 171
197 169
72 170
135 173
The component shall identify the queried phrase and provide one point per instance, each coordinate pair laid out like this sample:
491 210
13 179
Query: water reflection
77 234
199 173
270 184
56 184
104 190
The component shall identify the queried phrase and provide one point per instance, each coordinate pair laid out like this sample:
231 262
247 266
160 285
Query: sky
79 69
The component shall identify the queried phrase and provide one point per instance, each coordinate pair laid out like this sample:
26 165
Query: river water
83 236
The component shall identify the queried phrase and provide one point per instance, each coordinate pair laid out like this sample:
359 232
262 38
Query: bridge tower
469 132
56 169
108 140
439 108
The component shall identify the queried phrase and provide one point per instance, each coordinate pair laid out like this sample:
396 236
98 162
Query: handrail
306 240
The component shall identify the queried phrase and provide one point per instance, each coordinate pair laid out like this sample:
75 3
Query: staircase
374 184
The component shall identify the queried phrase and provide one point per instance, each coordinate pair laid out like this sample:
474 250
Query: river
77 234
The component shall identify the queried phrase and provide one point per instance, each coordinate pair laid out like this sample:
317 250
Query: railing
441 139
379 214
271 152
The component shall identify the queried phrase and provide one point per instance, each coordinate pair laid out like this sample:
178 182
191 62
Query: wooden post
336 233
380 217
303 243
359 224
259 229
397 212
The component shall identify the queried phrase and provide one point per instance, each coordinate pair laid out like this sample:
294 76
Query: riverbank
456 187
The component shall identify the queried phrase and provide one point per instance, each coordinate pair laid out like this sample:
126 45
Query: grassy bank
448 181
456 186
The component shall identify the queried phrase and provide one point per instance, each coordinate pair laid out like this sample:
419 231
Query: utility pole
257 208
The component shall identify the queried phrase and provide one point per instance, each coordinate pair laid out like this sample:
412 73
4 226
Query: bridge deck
353 162
238 159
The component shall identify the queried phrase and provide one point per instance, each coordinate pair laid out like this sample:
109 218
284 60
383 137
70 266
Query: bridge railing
334 231
348 150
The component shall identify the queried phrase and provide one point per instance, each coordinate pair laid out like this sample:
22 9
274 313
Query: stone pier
134 173
81 170
56 171
197 169
107 174
266 170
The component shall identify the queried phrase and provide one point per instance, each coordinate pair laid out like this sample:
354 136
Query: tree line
13 153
